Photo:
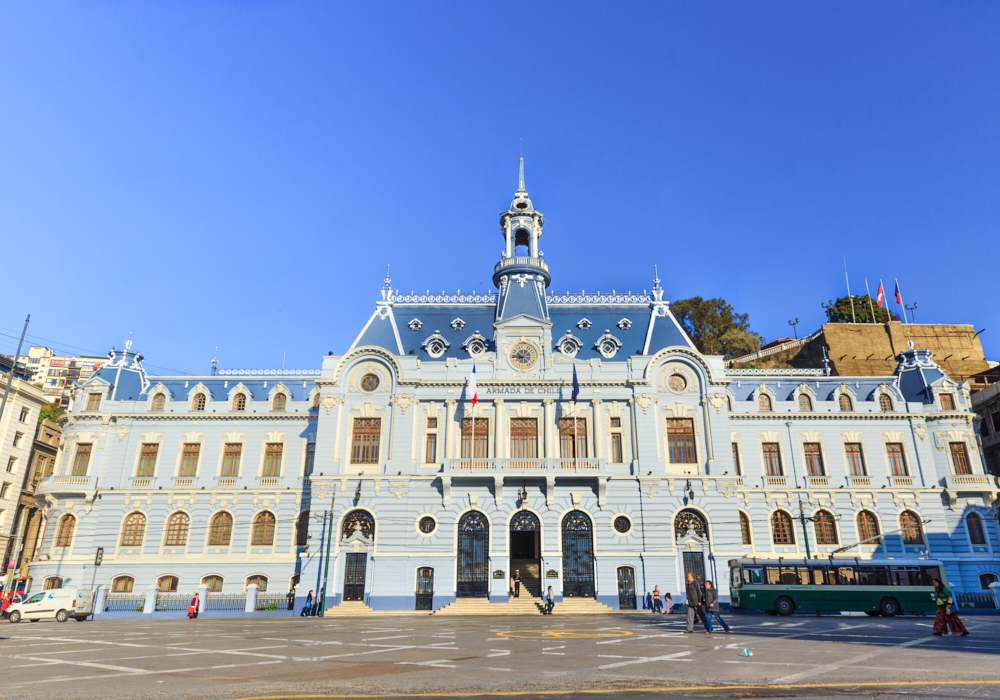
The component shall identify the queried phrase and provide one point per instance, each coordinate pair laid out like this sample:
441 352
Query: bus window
874 576
906 576
817 576
734 578
788 575
773 575
929 574
752 575
846 576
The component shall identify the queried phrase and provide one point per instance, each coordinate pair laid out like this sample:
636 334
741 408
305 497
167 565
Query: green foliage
840 311
50 412
715 328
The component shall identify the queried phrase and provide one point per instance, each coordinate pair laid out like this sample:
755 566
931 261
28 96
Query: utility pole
805 532
13 368
326 571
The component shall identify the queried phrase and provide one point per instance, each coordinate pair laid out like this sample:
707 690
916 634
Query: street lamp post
912 310
795 326
326 569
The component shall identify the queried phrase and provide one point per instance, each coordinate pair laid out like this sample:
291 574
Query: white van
60 603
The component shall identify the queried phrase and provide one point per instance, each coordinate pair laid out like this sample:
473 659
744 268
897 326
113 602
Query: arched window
64 535
259 580
167 584
781 528
974 524
764 402
745 528
220 531
177 530
909 523
159 401
263 529
213 582
868 527
805 402
689 519
826 527
729 403
885 402
52 582
316 400
986 579
302 529
240 402
133 530
360 521
279 402
198 403
122 584
845 403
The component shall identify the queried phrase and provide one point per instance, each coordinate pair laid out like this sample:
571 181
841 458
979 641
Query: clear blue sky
238 174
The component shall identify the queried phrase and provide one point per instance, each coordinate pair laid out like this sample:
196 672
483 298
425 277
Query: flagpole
881 286
899 299
854 318
872 308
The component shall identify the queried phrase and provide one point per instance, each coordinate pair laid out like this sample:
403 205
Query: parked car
58 603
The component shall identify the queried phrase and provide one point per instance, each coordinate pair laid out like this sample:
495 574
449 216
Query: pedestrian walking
695 603
712 607
946 616
657 603
193 608
308 606
668 603
517 583
550 601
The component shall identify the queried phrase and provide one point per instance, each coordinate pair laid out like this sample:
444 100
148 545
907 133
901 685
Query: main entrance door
578 555
473 555
525 552
354 576
626 588
425 588
694 564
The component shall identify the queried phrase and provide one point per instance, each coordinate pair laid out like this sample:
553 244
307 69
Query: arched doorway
357 535
691 535
526 551
578 555
473 555
425 588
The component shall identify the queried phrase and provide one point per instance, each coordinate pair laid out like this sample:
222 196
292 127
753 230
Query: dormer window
584 324
569 345
845 403
279 402
240 402
458 324
947 402
764 402
885 403
198 403
625 324
416 324
476 344
436 345
159 401
608 345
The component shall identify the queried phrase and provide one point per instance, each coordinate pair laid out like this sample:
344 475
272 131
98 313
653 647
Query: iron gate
354 576
578 555
626 588
425 588
473 555
694 564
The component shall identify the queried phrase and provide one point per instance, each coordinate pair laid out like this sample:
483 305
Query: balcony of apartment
524 467
59 485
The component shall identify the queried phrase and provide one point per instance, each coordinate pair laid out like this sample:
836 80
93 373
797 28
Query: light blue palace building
666 462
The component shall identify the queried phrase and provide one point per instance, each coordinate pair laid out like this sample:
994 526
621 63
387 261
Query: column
340 425
534 242
499 440
415 438
549 430
449 427
510 241
598 428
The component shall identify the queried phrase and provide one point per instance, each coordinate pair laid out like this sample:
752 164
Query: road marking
645 660
564 634
826 668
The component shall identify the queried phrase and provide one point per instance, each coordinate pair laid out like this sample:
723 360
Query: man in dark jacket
712 607
695 603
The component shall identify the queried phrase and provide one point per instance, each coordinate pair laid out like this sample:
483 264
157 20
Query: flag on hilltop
880 295
899 294
576 384
473 392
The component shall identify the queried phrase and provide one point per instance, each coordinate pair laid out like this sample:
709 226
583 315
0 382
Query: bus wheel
784 605
889 607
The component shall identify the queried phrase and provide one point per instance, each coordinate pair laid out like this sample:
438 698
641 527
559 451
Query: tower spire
520 176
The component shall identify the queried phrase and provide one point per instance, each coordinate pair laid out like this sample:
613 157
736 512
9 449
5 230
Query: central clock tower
522 328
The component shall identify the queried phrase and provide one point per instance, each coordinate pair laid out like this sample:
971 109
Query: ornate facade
665 462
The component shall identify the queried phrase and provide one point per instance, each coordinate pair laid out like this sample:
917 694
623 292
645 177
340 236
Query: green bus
886 587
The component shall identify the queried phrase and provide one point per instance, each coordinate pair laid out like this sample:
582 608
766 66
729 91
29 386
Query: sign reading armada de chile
522 390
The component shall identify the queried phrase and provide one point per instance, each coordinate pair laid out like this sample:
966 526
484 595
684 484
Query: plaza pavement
621 656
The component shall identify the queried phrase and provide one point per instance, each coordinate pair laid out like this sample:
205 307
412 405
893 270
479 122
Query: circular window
677 382
623 525
476 348
436 348
523 356
369 382
427 525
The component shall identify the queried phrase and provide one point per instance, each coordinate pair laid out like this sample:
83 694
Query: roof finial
909 340
387 286
520 176
657 289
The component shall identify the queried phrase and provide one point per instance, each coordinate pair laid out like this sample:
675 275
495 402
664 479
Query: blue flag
576 384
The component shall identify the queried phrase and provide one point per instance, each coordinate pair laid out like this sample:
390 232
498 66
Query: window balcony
268 480
227 481
855 482
770 481
142 482
900 481
814 482
970 482
67 484
184 482
552 467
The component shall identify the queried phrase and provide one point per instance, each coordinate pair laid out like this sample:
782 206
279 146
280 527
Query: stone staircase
581 606
348 609
531 575
525 605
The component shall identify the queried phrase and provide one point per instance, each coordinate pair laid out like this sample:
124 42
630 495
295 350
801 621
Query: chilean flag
899 295
880 295
472 386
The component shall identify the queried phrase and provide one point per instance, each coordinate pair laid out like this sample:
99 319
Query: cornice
827 416
194 415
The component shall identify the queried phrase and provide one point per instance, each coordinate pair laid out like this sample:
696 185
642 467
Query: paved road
627 656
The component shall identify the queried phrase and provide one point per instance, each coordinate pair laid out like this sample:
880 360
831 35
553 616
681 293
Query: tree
714 328
840 311
50 411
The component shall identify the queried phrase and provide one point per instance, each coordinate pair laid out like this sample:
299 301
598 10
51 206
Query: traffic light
100 556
